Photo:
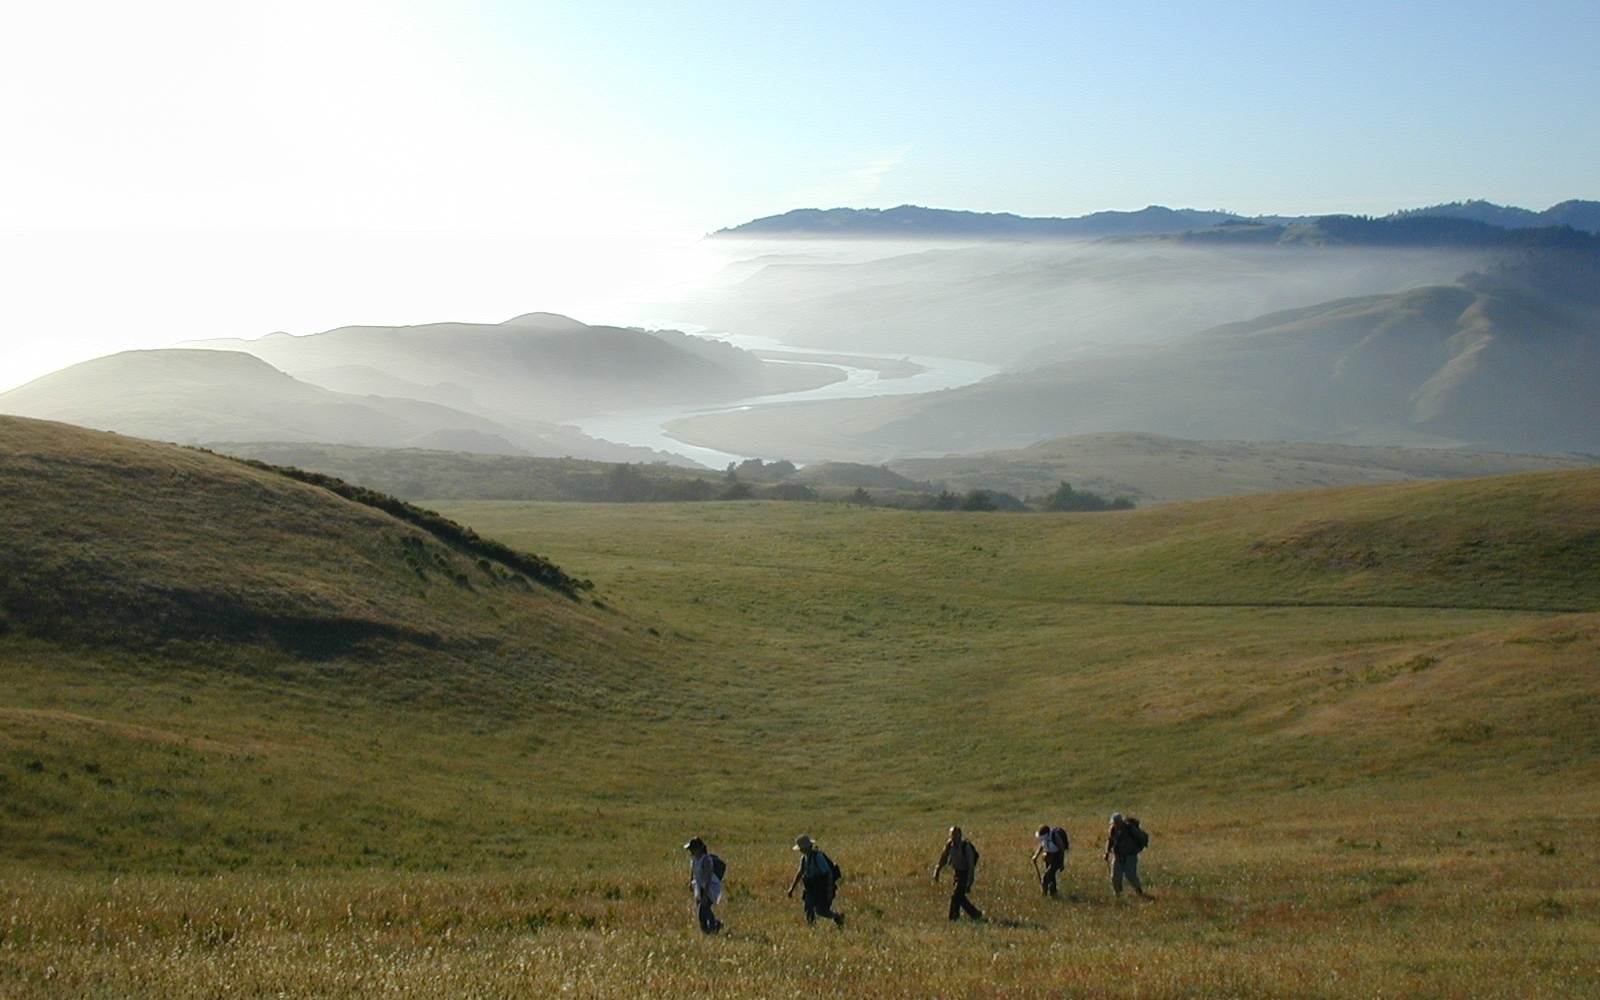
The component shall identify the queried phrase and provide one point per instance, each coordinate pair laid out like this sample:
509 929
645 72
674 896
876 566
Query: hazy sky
174 169
607 116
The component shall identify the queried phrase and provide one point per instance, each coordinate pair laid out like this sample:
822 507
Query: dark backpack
1137 837
1059 835
719 867
833 866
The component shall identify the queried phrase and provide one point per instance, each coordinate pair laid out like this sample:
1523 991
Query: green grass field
1359 724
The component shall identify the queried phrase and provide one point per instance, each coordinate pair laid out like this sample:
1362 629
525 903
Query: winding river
646 427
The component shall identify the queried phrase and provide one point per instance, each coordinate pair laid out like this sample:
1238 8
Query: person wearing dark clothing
820 879
1053 848
962 858
1124 841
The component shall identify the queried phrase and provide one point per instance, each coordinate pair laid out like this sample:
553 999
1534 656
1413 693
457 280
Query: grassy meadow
1359 725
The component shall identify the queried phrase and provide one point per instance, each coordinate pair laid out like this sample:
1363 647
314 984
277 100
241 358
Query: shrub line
537 568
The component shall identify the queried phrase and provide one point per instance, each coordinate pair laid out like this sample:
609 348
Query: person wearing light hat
1124 841
706 881
821 878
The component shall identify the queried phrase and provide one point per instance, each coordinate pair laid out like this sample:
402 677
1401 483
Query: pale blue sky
608 116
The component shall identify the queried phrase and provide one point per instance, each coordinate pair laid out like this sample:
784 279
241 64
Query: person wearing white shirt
705 882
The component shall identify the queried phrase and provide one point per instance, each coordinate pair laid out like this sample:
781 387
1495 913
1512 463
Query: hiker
706 881
1124 841
962 858
1053 846
821 878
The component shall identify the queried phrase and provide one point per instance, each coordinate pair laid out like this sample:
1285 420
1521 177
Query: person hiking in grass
821 878
962 858
1124 841
706 881
1053 846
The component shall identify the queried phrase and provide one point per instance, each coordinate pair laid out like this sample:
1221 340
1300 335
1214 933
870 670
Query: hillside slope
193 396
120 543
1153 468
206 665
1504 360
537 366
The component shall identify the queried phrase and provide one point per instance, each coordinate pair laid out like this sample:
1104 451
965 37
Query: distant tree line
393 479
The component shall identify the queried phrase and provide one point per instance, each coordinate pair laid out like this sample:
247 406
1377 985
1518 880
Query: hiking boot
838 918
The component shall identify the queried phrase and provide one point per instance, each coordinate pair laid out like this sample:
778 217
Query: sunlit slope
114 541
294 681
1526 541
924 658
1152 468
204 664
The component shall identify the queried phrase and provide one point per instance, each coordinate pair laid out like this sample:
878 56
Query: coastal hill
1504 359
541 366
204 396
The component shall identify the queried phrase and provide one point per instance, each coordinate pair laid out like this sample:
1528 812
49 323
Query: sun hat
803 842
693 843
1116 817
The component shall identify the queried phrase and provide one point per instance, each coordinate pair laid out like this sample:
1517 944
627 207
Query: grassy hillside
200 658
1158 469
1359 724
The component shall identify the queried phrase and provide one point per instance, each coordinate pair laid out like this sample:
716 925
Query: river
646 427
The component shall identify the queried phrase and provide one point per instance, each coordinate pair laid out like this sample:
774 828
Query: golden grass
1369 777
1304 905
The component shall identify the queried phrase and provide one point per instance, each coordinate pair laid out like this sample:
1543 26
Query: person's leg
1116 874
708 920
1130 868
821 905
812 905
960 899
1053 863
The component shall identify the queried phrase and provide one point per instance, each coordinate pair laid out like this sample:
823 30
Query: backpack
1059 835
833 866
719 867
1140 839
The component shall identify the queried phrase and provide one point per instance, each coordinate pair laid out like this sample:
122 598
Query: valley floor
1366 774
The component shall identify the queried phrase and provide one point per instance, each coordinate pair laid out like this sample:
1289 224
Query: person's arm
797 875
944 859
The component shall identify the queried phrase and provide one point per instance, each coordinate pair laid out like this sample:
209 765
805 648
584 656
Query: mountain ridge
915 221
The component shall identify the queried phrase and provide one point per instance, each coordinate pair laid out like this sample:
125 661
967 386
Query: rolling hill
1152 468
194 396
539 366
1350 718
1502 360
